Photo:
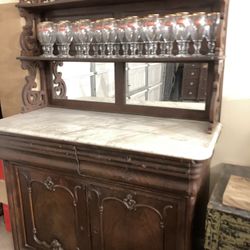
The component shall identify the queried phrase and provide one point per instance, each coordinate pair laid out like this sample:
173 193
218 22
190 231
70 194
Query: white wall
234 143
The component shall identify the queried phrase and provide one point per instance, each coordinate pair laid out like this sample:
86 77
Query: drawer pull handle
190 92
191 83
192 73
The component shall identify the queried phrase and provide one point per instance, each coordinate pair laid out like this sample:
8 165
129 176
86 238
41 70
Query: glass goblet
128 35
182 32
82 37
64 37
112 35
197 30
213 22
120 35
97 26
151 29
167 31
133 23
46 34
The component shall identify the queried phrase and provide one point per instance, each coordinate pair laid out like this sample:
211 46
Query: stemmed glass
111 26
83 36
182 32
133 23
213 21
167 31
128 35
64 37
46 33
97 26
197 30
120 35
151 29
105 34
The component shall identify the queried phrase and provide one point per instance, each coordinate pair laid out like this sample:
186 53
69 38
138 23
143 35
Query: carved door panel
54 210
122 220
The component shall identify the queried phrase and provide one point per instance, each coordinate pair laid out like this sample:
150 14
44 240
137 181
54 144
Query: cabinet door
54 211
122 220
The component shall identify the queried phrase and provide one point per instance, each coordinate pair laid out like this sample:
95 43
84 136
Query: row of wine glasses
131 36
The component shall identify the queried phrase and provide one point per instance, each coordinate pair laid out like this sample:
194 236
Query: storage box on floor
227 228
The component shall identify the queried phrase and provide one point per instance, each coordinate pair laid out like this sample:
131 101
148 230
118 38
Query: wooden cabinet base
100 198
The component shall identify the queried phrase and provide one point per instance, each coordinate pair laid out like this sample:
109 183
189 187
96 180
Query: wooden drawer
192 65
191 73
190 83
189 93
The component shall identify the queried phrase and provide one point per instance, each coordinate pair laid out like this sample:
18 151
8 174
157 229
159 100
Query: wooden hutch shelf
185 59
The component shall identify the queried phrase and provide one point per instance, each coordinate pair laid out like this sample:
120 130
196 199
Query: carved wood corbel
33 96
28 42
59 88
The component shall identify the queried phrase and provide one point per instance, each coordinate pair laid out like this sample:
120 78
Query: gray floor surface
5 237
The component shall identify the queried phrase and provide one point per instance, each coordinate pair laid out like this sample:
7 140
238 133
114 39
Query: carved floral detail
32 97
59 87
129 202
56 245
49 184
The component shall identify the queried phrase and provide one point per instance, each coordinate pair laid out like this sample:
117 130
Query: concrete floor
5 237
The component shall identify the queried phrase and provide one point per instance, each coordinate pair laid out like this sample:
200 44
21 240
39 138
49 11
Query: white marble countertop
161 136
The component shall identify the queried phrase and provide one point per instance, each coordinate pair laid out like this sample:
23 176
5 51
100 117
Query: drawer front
190 83
192 65
191 73
190 93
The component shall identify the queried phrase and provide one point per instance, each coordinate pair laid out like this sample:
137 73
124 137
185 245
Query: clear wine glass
182 32
82 37
197 30
120 34
151 29
128 34
105 31
97 26
64 37
213 22
134 24
46 33
167 31
112 29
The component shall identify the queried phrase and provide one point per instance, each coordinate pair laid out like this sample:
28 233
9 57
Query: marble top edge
186 139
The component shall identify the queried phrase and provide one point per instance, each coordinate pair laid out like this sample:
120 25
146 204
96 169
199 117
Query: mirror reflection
89 81
173 85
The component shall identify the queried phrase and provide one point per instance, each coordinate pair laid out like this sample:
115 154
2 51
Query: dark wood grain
97 196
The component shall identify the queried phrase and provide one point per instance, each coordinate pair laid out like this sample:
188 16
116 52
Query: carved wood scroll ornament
59 87
33 98
28 41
